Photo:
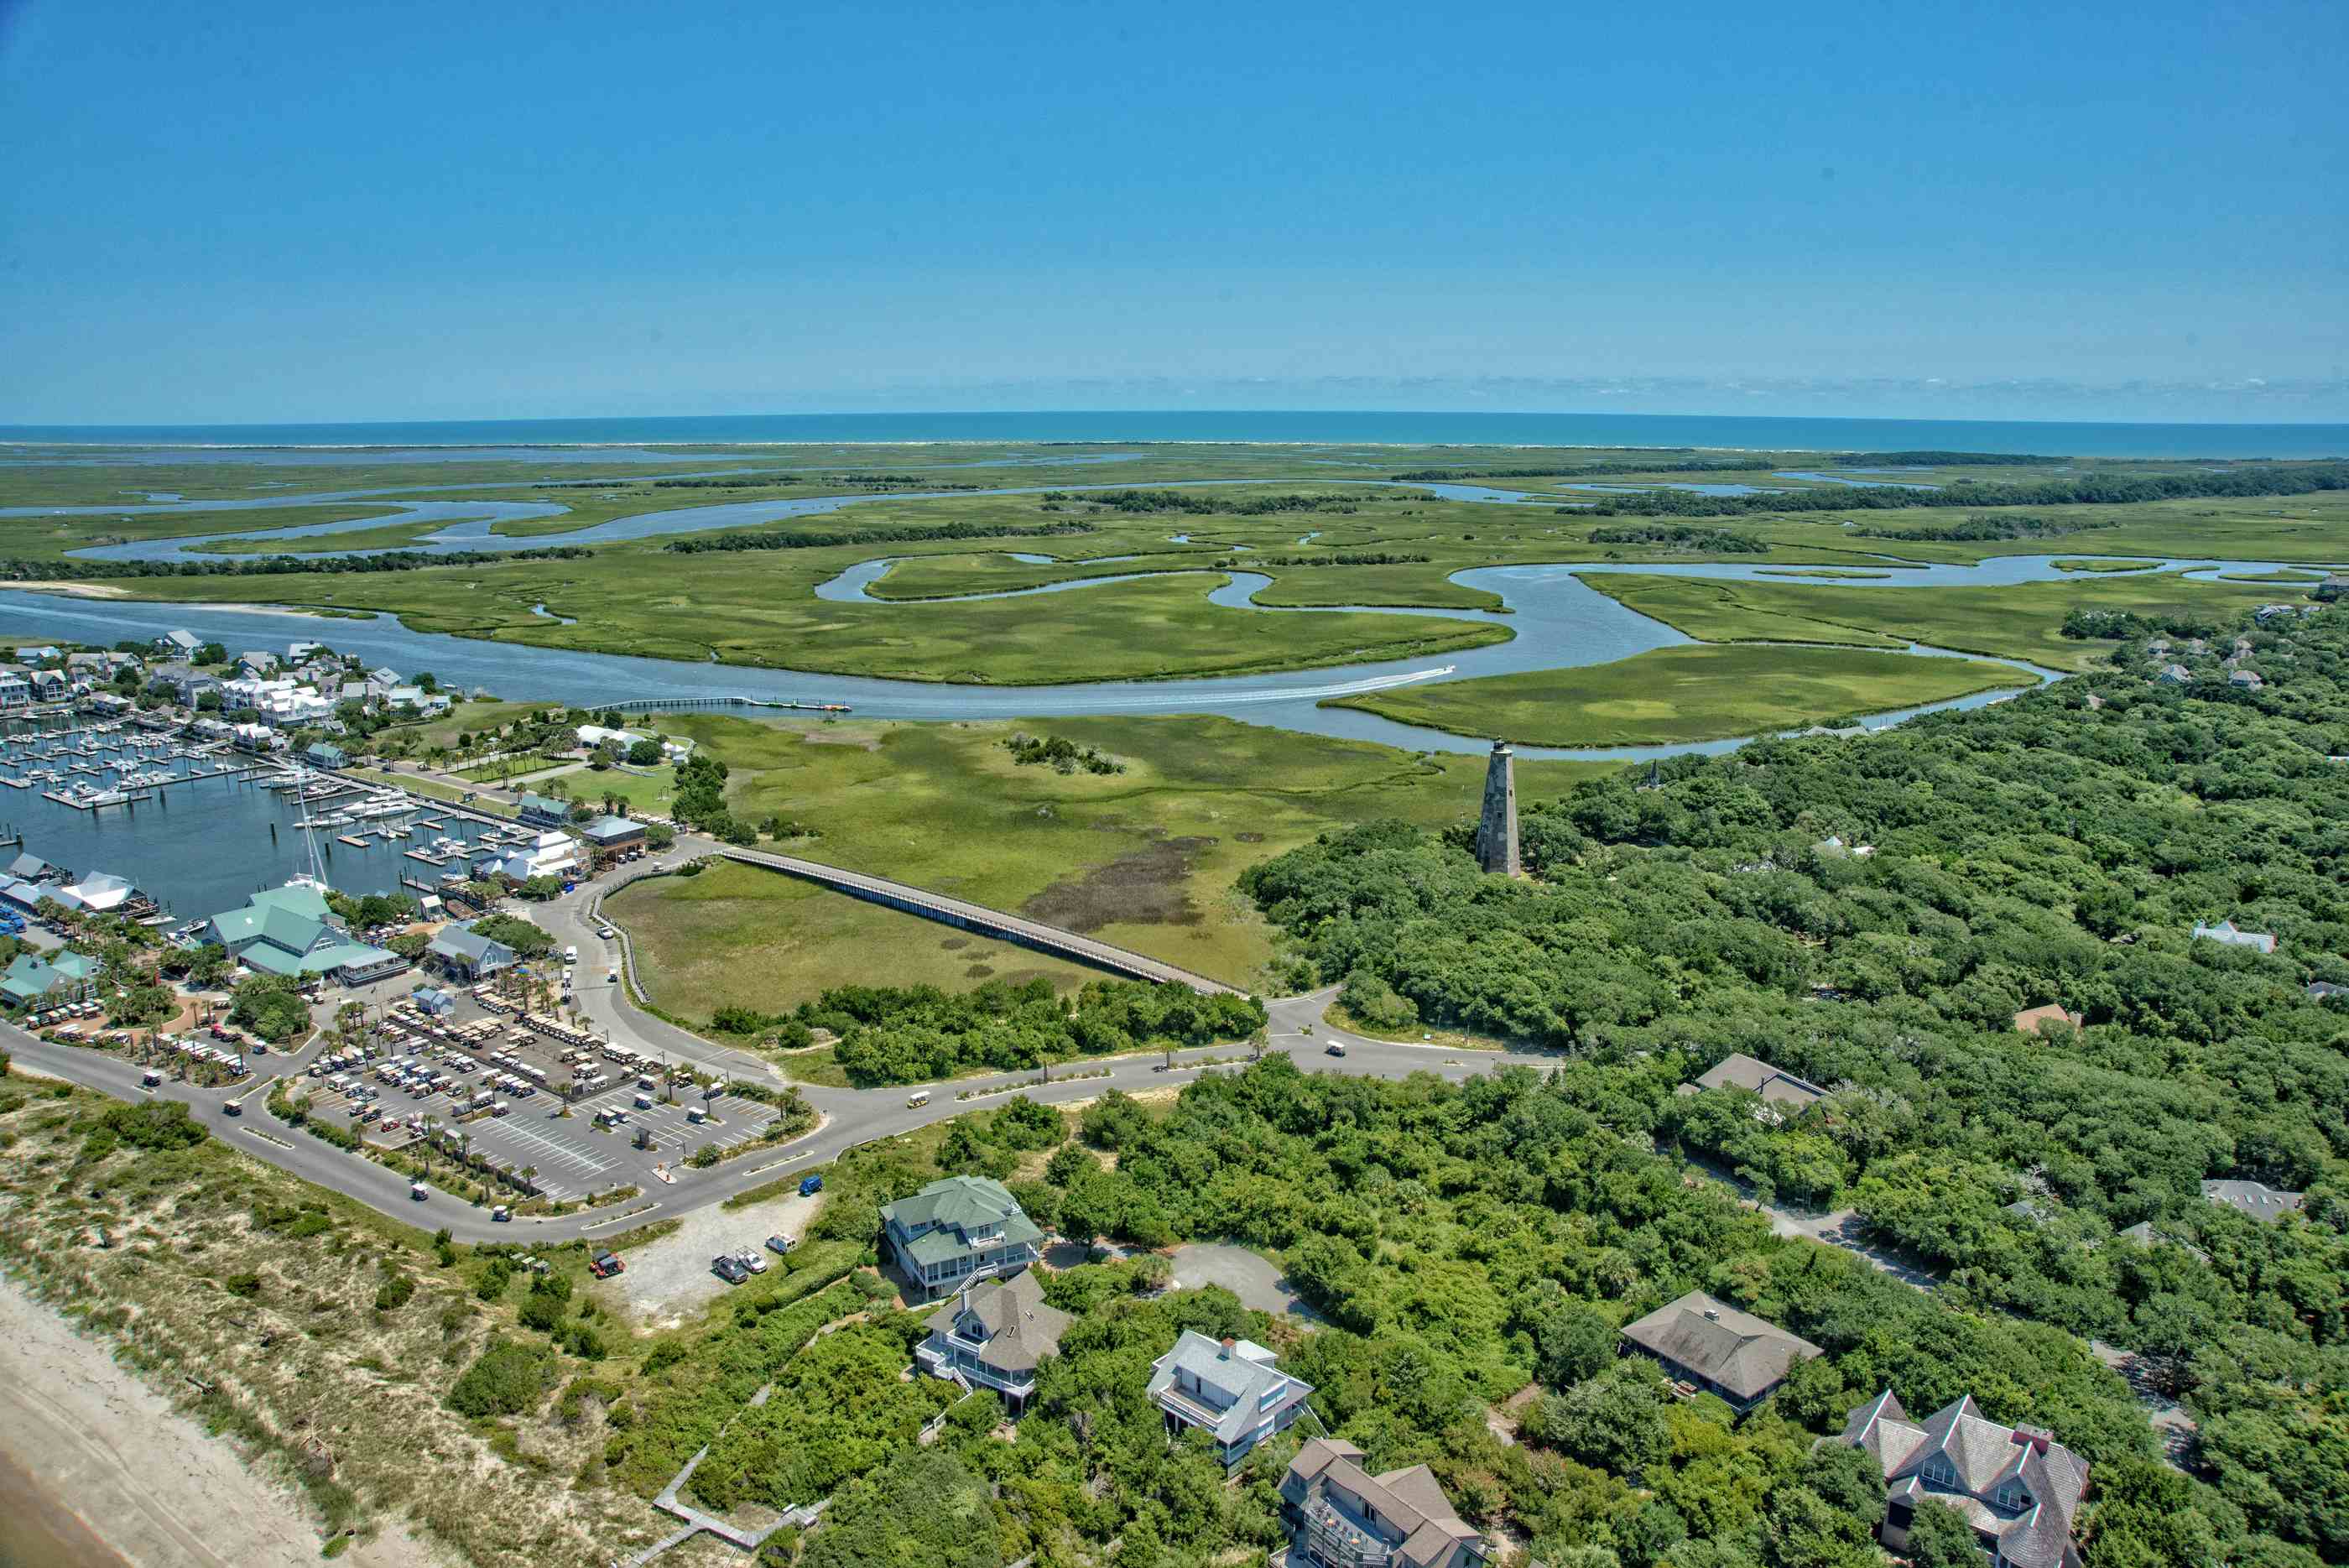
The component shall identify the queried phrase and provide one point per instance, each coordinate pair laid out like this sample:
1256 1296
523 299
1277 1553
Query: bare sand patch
146 1481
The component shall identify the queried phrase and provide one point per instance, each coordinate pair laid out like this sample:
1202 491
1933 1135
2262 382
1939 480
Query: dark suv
728 1268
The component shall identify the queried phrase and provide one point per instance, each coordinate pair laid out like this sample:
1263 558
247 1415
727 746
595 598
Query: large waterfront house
2017 1487
290 931
1783 1094
1339 1515
16 691
1713 1348
467 955
994 1334
1230 1389
35 981
539 811
958 1230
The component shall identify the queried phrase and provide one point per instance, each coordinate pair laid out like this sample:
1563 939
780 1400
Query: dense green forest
1185 503
17 570
803 539
2042 850
914 1035
2106 488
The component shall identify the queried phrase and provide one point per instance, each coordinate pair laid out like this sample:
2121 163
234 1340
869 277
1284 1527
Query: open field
2023 621
1698 693
1145 858
737 935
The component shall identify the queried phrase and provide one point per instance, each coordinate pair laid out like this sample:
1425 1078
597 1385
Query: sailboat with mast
313 875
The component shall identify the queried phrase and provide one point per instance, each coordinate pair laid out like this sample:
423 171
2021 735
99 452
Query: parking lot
486 1076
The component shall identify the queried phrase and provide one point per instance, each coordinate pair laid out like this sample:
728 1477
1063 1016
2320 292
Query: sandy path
146 1481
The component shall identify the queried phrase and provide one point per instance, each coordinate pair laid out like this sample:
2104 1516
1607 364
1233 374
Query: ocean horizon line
1176 428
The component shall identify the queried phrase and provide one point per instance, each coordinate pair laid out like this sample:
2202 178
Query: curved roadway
851 1116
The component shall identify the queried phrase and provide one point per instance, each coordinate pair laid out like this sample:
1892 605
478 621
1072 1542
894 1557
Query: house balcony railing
1190 1407
958 1357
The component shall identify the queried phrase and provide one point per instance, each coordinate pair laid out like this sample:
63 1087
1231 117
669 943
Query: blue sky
356 211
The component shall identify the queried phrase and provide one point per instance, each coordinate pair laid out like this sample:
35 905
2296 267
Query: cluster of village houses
965 1242
299 689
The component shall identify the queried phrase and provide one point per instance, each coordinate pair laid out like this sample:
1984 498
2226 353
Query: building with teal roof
32 981
290 931
958 1230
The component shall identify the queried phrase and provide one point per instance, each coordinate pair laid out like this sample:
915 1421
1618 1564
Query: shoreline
95 1462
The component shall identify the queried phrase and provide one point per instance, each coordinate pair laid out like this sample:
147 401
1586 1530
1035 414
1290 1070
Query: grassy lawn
2021 621
1699 693
1145 858
740 935
648 793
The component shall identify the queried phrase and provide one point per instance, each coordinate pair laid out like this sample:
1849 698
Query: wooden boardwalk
972 916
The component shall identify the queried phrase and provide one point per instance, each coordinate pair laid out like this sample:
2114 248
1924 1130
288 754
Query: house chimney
2032 1438
1229 1347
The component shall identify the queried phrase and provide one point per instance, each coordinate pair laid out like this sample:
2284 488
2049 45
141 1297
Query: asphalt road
851 1116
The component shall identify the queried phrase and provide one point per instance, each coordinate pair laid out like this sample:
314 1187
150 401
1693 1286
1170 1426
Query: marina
197 831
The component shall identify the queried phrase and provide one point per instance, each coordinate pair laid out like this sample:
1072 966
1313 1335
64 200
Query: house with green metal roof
958 1230
540 811
33 981
290 931
325 754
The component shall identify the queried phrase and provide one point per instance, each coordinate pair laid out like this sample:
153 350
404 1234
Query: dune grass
1696 693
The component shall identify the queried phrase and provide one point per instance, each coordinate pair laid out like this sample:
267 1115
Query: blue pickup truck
810 1185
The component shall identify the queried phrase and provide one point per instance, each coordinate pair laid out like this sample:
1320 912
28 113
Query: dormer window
2012 1494
1939 1472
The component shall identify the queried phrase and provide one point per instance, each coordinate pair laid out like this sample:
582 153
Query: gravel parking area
1250 1276
670 1281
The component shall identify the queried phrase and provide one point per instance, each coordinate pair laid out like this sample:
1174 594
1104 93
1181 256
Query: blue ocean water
2069 438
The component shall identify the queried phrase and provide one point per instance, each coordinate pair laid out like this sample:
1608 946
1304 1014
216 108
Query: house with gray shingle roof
996 1333
2016 1486
958 1230
1339 1515
1231 1389
1718 1349
1783 1094
2255 1200
467 954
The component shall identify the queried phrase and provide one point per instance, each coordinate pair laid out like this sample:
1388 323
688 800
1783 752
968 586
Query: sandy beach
76 591
106 1471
